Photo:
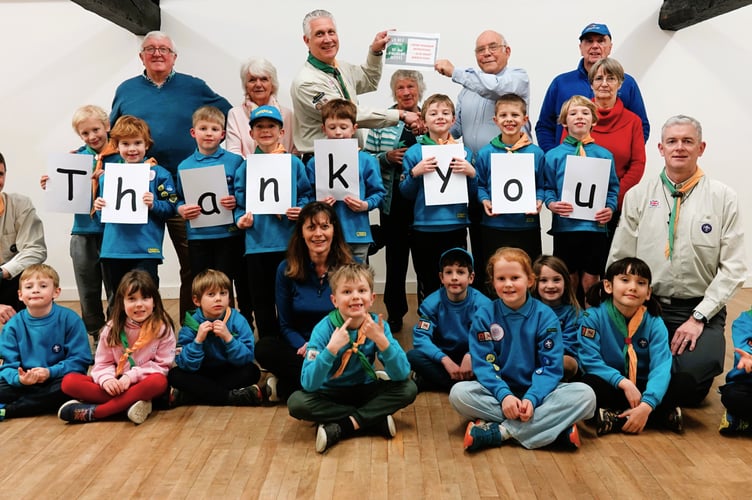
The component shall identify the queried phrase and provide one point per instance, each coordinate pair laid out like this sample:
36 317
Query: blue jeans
565 405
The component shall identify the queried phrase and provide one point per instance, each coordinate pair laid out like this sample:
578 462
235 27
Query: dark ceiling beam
678 14
137 16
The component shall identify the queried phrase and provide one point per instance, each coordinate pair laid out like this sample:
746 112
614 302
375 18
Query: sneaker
674 420
327 435
385 427
138 411
246 396
732 425
479 436
75 411
271 385
569 438
606 421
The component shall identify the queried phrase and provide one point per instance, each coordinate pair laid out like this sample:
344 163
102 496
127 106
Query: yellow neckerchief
2 204
148 331
521 143
278 149
451 140
678 195
579 146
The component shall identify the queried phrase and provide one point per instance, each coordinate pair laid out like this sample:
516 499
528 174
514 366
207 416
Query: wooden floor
207 452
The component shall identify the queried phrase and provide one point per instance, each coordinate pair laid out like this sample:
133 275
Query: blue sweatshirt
518 352
231 163
508 222
356 226
142 241
169 112
602 352
271 233
301 304
320 365
569 322
434 218
57 341
213 351
555 167
88 223
741 334
444 325
548 131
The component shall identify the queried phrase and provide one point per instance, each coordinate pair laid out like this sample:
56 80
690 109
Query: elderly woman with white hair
259 79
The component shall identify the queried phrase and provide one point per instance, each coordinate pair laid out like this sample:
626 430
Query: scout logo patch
311 354
424 325
484 337
642 343
548 344
56 348
497 332
588 333
706 228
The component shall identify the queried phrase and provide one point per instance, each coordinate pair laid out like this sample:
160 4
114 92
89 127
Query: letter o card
513 183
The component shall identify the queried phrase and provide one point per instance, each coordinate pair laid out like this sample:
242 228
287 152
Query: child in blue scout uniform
554 288
441 357
213 247
137 246
267 235
437 228
517 352
736 394
92 125
215 360
340 388
339 117
523 229
581 244
38 346
624 351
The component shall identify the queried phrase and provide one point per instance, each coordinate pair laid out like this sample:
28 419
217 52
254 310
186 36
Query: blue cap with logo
266 111
598 29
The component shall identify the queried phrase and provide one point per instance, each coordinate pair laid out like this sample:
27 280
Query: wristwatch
699 316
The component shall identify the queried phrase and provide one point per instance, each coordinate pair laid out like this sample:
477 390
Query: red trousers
83 388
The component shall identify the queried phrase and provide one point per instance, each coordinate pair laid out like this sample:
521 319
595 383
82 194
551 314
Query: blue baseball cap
456 254
598 29
266 111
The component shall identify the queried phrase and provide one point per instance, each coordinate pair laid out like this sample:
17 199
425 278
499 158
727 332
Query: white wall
57 56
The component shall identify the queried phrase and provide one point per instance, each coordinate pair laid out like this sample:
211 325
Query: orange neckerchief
451 140
107 150
2 204
678 195
579 146
521 143
337 320
147 333
628 330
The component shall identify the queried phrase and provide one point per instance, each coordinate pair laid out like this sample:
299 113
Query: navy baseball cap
266 111
598 29
456 254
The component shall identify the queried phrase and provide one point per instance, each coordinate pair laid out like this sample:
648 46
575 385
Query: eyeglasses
163 51
491 47
609 79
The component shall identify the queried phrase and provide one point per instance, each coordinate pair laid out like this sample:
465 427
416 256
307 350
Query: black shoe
245 396
385 427
607 421
327 435
674 420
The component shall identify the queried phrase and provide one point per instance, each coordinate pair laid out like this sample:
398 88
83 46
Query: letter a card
124 188
513 183
442 187
204 187
268 184
68 188
337 172
585 185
